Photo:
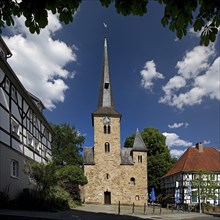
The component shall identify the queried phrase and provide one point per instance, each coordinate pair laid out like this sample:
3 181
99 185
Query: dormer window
106 85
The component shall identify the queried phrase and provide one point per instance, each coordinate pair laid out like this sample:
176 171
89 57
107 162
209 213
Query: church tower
106 120
113 173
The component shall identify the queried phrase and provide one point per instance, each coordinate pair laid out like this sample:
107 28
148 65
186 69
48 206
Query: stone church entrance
107 198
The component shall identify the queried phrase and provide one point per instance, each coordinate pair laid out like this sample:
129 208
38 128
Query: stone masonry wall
108 175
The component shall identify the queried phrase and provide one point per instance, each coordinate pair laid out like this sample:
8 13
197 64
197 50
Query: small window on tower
107 176
132 181
109 129
105 129
139 158
107 147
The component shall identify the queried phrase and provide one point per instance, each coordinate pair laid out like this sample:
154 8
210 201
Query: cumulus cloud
197 77
39 61
177 153
178 125
173 140
149 74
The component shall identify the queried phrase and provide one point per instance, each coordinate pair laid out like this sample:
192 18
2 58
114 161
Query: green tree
159 158
67 145
56 185
202 15
44 176
204 181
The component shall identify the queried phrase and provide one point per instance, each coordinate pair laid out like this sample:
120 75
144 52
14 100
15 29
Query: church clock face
106 120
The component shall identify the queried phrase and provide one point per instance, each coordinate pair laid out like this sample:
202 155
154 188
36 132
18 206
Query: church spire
105 101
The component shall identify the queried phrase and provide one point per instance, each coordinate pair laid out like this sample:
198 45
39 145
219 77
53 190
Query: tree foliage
67 145
206 184
43 175
179 16
159 158
65 168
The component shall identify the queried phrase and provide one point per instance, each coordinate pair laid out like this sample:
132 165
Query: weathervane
105 26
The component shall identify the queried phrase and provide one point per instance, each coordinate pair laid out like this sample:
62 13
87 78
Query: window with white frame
14 169
30 140
44 152
15 127
36 145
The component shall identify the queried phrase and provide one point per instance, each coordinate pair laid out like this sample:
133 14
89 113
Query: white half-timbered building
24 131
188 168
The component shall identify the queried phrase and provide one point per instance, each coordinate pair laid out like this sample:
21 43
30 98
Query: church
114 173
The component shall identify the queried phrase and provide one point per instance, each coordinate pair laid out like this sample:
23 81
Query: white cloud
194 61
197 78
206 142
173 140
177 153
149 74
39 61
178 125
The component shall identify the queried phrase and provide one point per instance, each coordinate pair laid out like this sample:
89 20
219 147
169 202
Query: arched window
109 129
105 129
107 147
107 176
132 181
139 158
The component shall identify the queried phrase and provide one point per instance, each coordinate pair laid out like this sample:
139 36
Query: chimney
199 146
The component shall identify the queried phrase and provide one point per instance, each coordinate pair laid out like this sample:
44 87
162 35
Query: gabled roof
139 144
194 160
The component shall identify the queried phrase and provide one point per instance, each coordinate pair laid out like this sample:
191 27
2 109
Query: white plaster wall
16 185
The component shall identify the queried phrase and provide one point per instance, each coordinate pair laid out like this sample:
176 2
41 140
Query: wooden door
107 198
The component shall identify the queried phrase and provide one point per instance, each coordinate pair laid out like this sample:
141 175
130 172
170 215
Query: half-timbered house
199 165
24 131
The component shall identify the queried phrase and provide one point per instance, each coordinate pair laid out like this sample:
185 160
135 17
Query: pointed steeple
105 101
139 144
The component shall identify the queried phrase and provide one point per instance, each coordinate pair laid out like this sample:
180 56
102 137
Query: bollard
160 208
119 208
133 208
153 208
172 208
145 209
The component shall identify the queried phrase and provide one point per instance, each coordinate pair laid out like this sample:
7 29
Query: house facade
114 174
24 131
195 175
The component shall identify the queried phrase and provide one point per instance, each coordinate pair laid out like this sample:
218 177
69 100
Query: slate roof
194 160
105 101
88 156
139 144
126 158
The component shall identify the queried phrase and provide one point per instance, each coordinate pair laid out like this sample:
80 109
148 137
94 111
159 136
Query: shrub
4 198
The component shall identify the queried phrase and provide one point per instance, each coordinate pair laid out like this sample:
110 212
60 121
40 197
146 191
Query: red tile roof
194 160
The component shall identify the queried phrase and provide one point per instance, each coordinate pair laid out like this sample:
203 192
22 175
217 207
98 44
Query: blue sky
158 81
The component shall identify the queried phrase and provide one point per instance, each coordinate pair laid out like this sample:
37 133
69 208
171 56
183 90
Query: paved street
104 212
